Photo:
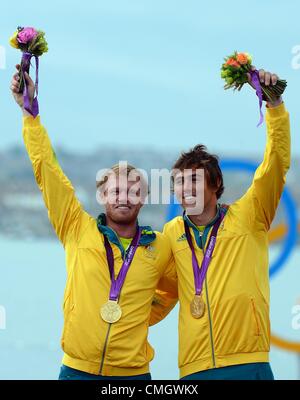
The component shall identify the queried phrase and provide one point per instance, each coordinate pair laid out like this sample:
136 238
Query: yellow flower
13 40
249 57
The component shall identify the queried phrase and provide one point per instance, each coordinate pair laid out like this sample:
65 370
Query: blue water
31 290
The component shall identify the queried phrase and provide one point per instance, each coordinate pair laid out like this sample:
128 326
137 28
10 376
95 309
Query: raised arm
64 210
262 198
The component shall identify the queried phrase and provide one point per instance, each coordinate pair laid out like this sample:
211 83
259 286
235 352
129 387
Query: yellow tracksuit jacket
89 343
235 328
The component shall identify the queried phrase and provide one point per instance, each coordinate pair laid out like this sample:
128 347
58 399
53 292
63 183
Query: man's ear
218 184
101 196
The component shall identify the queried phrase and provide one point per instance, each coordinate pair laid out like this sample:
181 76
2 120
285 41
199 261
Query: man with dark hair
197 158
221 255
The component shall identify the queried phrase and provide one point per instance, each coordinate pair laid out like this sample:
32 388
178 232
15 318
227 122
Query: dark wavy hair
198 157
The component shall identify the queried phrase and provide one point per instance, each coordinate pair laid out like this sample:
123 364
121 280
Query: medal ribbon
33 108
255 81
117 284
200 274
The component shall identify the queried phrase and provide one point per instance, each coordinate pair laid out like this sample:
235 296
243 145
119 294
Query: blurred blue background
137 80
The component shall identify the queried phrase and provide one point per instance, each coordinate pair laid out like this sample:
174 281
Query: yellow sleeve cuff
31 122
276 112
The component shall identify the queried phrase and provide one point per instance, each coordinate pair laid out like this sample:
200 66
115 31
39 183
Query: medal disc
111 312
197 306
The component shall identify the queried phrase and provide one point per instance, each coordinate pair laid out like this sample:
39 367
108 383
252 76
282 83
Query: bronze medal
197 306
111 312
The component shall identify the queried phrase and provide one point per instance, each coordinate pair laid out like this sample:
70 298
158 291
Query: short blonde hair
115 169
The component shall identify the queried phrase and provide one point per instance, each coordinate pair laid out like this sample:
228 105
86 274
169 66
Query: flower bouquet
236 71
32 43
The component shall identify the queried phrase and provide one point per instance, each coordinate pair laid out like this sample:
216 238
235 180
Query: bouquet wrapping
32 43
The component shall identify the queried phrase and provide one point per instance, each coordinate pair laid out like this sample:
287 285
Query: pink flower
26 35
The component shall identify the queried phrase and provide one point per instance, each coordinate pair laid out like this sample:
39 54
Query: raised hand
15 83
268 79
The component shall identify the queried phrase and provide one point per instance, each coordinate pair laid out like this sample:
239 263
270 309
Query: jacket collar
201 239
147 237
192 225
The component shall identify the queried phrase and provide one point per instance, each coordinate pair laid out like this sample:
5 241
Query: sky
147 73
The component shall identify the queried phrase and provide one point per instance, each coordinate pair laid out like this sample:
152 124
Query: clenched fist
268 79
15 83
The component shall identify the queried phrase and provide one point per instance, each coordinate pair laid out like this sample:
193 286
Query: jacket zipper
104 349
209 317
210 327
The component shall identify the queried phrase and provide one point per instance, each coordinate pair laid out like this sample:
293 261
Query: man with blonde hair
113 264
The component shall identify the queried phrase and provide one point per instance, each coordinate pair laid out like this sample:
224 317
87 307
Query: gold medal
111 312
197 306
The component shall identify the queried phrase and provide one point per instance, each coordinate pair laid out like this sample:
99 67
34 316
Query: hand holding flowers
15 88
32 43
238 70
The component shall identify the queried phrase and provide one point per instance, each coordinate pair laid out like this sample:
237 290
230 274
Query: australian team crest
150 251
